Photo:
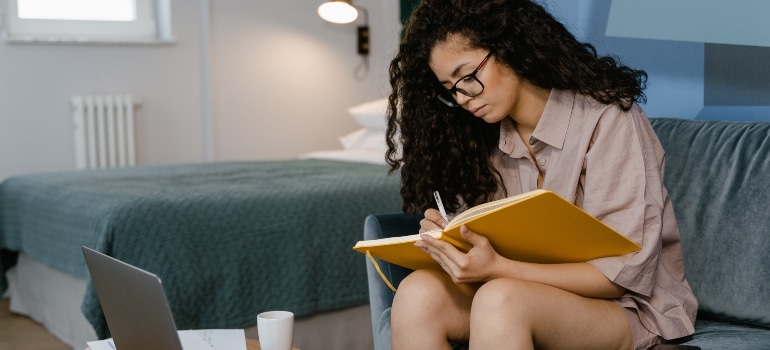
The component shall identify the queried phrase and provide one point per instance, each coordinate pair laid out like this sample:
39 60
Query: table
252 344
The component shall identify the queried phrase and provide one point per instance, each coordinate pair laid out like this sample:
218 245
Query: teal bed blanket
229 240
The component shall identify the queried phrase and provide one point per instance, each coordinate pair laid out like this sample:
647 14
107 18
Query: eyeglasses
468 85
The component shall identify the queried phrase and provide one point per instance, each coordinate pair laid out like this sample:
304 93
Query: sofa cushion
380 296
716 335
718 175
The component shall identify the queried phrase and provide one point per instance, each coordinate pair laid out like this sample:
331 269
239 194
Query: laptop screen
134 304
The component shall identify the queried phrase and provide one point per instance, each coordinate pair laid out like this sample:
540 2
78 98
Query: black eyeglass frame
450 101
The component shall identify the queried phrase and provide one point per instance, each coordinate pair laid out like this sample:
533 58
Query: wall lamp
343 11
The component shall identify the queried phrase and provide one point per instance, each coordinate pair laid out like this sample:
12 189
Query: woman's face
453 59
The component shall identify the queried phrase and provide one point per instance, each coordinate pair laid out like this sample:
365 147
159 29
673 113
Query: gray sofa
718 175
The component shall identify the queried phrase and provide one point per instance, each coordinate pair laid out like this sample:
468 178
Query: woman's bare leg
429 309
515 314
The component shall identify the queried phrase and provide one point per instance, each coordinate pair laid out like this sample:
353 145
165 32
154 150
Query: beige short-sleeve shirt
610 163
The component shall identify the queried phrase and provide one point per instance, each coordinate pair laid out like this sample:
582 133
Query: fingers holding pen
432 221
476 265
434 218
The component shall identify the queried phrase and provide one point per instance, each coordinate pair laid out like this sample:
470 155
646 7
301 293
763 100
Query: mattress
228 239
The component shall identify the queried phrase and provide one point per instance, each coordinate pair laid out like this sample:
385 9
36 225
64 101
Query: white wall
281 80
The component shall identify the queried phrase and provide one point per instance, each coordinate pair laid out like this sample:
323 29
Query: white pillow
371 114
346 155
352 140
364 139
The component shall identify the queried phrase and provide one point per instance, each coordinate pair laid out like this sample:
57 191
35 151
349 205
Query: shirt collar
509 138
551 128
553 124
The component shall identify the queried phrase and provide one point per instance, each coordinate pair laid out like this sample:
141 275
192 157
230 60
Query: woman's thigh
509 313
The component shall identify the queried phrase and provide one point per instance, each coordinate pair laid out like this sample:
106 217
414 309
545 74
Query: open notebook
138 313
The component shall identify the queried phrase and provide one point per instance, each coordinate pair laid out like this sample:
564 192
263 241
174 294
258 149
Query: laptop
134 304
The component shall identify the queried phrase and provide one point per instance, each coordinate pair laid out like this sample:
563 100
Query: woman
492 98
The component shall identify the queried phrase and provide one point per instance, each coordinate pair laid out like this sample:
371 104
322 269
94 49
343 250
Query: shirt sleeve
623 188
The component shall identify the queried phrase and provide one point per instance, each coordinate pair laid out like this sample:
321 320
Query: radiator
104 131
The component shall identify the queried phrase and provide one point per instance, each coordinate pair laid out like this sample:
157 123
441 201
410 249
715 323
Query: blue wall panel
675 69
686 79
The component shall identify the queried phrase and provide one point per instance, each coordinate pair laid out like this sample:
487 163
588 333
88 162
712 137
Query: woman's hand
482 263
477 265
432 221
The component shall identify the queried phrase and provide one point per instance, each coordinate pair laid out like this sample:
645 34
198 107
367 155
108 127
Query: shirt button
541 162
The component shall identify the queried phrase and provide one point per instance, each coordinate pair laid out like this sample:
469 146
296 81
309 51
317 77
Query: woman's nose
462 99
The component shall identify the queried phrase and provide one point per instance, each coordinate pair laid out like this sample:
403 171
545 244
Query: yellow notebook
537 226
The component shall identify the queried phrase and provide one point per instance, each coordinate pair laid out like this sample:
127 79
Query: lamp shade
338 11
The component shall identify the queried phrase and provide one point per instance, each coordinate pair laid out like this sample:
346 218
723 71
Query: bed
228 239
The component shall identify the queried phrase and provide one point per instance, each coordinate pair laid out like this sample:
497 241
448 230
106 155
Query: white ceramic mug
276 330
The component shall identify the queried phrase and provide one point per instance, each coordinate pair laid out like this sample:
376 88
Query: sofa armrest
380 296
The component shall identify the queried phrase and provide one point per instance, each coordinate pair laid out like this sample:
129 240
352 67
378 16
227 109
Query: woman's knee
420 288
506 295
422 282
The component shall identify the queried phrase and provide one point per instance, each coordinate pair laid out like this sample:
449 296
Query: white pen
440 206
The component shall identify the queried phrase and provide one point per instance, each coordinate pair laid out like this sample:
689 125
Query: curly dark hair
445 149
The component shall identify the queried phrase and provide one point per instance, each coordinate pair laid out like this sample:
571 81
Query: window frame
152 25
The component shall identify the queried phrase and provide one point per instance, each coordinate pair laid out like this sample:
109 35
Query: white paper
105 344
223 339
201 339
192 341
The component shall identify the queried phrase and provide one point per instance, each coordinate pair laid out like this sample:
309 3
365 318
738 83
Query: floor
21 333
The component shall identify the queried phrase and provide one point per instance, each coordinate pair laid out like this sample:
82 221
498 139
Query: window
87 20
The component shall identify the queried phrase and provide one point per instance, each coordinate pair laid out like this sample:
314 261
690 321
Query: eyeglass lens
468 85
